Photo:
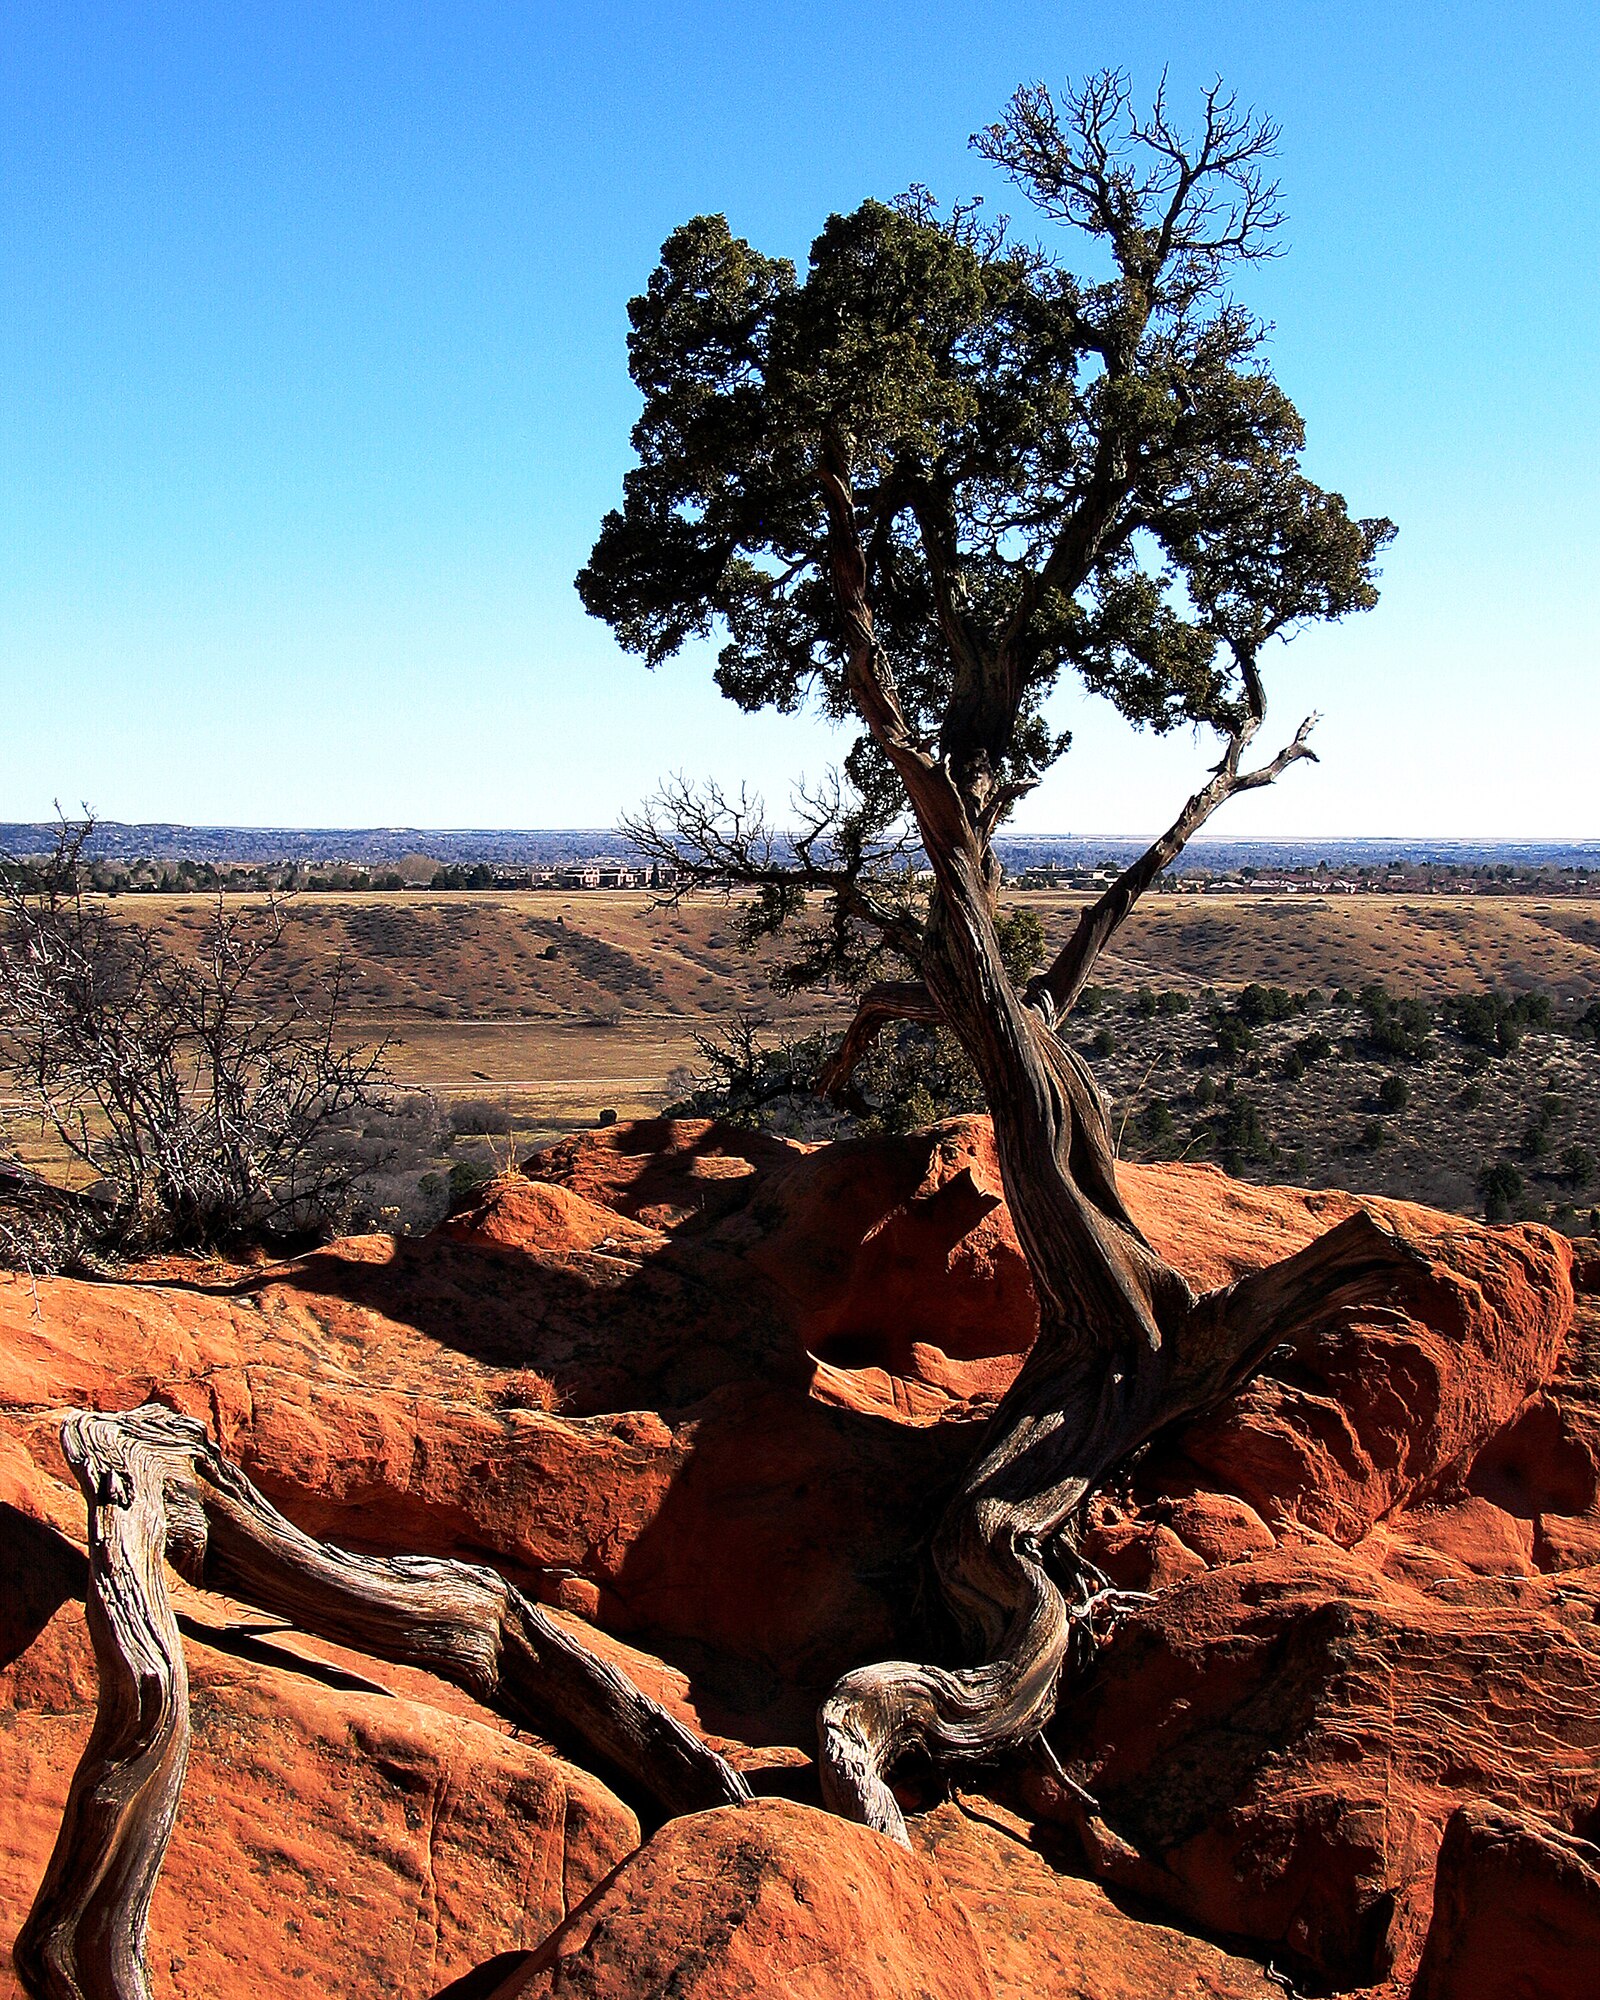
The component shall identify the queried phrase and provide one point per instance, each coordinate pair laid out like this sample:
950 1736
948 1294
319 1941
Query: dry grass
578 1003
1432 945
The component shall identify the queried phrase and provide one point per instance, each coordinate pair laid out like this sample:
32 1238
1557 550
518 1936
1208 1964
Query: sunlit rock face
704 1392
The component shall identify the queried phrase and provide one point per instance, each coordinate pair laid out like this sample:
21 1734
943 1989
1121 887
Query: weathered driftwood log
158 1488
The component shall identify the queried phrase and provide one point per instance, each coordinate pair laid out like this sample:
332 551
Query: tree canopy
1047 473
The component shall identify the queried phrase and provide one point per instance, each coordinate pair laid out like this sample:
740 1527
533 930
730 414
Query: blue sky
313 387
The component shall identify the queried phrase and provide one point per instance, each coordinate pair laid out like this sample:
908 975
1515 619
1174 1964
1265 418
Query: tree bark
157 1488
1124 1348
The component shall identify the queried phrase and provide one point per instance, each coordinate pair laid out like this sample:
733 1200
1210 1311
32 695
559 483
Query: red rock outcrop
770 1898
707 1391
1516 1915
346 1827
1275 1746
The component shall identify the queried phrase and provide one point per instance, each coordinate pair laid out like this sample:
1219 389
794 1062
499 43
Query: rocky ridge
702 1392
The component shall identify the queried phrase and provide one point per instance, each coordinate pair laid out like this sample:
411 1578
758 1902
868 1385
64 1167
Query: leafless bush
480 1117
205 1117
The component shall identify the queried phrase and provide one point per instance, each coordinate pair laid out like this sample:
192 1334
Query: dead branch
890 1000
157 1487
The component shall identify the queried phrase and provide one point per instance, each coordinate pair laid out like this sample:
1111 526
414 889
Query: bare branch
890 1000
1176 211
1058 987
158 1488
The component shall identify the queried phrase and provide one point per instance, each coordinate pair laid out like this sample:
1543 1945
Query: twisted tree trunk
157 1488
1124 1348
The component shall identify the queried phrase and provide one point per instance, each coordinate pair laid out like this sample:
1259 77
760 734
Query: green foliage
1103 1042
1172 1001
1577 1166
1500 1185
1396 1026
1238 1135
1052 474
1156 1122
1256 1005
1394 1094
1496 1022
464 1179
478 876
752 1077
1306 1050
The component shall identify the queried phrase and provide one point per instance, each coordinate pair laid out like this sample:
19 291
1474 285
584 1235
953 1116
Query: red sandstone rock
1516 1913
1276 1746
604 1383
1377 1406
771 1898
347 1827
1048 1933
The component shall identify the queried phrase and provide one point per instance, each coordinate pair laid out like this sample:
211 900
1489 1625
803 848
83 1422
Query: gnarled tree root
157 1487
1007 1543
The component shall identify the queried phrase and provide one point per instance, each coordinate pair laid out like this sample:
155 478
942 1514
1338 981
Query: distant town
168 858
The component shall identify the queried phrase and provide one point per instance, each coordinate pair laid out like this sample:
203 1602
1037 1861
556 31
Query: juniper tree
920 486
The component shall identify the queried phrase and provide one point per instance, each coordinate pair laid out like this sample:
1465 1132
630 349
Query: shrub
1144 1003
1577 1166
1394 1094
1396 1026
207 1113
1156 1121
1172 1002
479 1117
1234 1039
1494 1023
1239 1135
1205 1093
1308 1049
1373 1135
1257 1005
465 1178
1500 1185
1104 1043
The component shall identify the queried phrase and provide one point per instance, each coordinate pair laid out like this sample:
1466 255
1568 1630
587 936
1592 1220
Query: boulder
771 1898
1516 1912
703 1393
1275 1746
346 1827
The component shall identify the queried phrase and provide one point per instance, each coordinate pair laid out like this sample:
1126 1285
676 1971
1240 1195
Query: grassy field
557 1007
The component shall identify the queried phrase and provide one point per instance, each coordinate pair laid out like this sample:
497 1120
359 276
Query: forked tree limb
158 1488
1006 1550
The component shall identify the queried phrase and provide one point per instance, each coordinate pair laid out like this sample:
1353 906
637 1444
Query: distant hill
165 841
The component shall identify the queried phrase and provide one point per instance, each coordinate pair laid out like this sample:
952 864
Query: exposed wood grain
158 1488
